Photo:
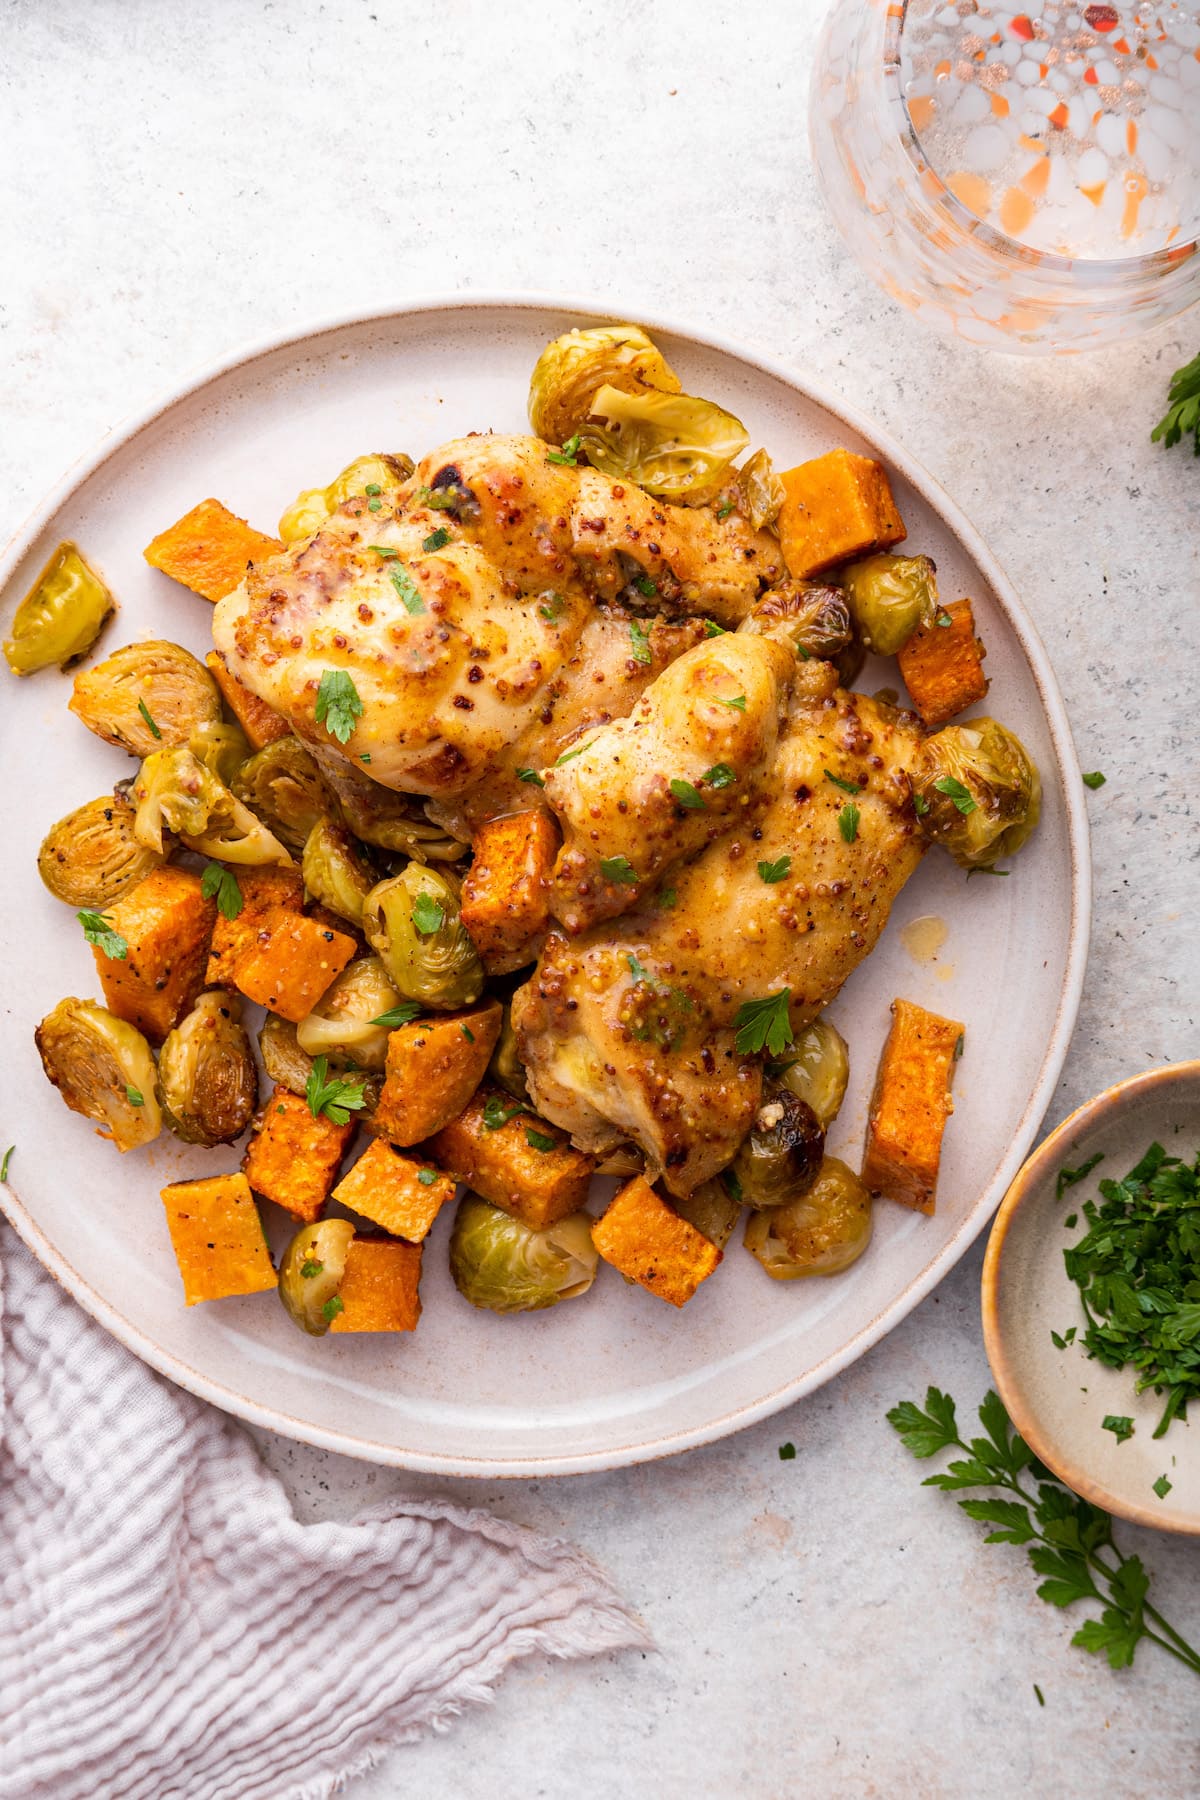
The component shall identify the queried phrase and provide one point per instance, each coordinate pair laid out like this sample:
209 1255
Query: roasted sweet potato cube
942 666
649 1243
290 962
260 722
910 1105
217 1237
401 1193
379 1287
208 550
167 924
262 891
293 1157
505 899
514 1159
434 1066
838 506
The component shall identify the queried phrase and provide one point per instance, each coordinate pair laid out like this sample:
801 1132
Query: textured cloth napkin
168 1628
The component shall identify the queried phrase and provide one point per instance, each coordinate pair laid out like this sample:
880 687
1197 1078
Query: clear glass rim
1113 269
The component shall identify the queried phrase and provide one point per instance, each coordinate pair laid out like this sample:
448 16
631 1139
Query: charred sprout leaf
572 369
889 598
771 872
94 1060
207 1080
99 932
60 617
365 475
502 1265
764 1025
430 959
174 791
820 1232
673 445
344 1024
222 883
780 1157
1183 414
338 706
641 643
92 857
145 696
818 1069
336 1096
981 792
619 869
312 1271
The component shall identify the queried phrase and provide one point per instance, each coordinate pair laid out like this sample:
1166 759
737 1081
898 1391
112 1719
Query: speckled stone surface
180 179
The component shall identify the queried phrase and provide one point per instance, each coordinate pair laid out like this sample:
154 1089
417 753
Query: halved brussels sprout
821 1233
173 789
103 1069
310 509
341 1026
819 1070
283 1059
574 368
221 748
712 1209
500 1264
978 793
814 620
890 596
670 444
312 1271
760 491
389 820
506 1066
60 617
146 697
91 857
412 921
207 1080
336 873
282 786
781 1155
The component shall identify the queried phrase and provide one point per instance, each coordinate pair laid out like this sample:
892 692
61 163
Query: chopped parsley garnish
619 869
1182 416
575 750
847 787
98 931
771 872
712 629
637 969
374 505
943 618
427 1177
336 1096
1120 1424
437 540
987 869
311 1268
733 1187
1041 1698
686 795
920 805
404 1014
365 757
719 776
738 702
5 1163
154 731
552 607
665 897
1069 1178
539 1140
1162 1487
135 1096
954 790
568 454
1095 779
848 821
443 499
723 512
410 595
428 914
496 1113
372 488
338 704
641 643
645 585
467 1033
386 551
530 775
222 883
764 1025
787 1452
332 1307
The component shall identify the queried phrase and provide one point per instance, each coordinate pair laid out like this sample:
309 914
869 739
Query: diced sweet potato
401 1193
379 1287
505 899
217 1237
514 1159
838 506
649 1243
910 1105
208 550
293 1157
942 666
290 962
263 891
433 1067
260 722
167 924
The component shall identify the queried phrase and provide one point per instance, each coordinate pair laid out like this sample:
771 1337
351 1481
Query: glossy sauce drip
924 937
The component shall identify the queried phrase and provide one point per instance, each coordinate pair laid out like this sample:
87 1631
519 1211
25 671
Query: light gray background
178 178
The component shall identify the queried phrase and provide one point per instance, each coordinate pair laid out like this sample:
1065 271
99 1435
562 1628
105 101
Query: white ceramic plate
618 1377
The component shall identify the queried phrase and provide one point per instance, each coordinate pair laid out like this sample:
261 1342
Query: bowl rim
736 1418
1037 1169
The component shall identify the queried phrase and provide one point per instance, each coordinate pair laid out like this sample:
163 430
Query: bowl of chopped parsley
1091 1300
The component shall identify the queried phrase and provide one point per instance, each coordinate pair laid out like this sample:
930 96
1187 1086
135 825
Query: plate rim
461 1464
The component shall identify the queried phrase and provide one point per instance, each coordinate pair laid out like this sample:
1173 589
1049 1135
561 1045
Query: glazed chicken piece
626 1029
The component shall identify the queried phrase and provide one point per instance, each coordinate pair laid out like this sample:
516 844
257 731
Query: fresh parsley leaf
771 872
1068 1178
738 703
569 453
427 1177
224 884
437 540
5 1163
410 594
372 489
1162 1486
847 787
848 821
332 1307
637 969
386 551
97 929
310 1268
719 776
497 1113
619 869
925 1432
336 1096
338 704
1120 1424
396 1016
723 512
539 1140
134 1096
145 712
1095 779
575 750
640 640
551 608
712 629
531 776
764 1025
1183 413
954 790
787 1452
920 805
666 897
365 757
943 618
428 914
467 1033
645 585
687 796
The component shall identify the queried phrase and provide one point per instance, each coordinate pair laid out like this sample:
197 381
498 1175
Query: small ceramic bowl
1058 1399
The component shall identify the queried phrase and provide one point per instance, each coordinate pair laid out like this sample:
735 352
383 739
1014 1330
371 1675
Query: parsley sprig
336 1096
338 705
1069 1543
1182 416
764 1025
98 930
222 883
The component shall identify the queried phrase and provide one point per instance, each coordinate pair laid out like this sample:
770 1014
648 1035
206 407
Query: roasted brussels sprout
146 697
312 1270
413 922
341 1026
207 1082
819 1070
670 444
283 1059
780 1157
506 1066
977 792
712 1209
91 857
309 510
221 748
173 789
336 873
282 786
760 491
889 597
391 821
813 619
103 1069
574 368
500 1264
60 617
821 1233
